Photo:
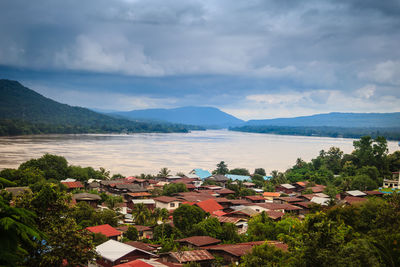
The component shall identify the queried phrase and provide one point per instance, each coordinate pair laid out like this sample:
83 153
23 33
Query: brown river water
180 152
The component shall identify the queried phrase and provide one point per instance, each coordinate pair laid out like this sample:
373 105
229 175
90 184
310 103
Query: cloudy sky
253 59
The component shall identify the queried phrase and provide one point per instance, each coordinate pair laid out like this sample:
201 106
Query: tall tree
222 168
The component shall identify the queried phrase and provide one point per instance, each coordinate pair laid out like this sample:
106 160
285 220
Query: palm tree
164 172
140 214
17 230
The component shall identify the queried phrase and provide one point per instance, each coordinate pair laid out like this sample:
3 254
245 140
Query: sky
253 59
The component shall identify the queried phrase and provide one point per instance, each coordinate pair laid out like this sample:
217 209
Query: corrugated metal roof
200 240
238 177
194 255
202 173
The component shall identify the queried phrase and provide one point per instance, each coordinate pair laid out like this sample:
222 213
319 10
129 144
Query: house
320 200
196 242
355 193
350 200
218 178
148 203
203 257
288 200
152 248
144 232
224 192
147 263
234 177
106 230
169 203
394 182
270 196
73 185
209 205
202 174
232 253
91 199
255 199
16 191
249 185
286 208
112 253
244 212
285 188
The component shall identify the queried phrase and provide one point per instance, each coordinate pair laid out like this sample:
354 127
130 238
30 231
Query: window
172 205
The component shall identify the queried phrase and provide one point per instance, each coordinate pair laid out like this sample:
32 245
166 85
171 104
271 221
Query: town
205 218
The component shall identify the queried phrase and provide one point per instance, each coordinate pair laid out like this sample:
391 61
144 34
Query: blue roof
237 177
202 173
268 177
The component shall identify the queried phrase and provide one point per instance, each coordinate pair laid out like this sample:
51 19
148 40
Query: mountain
24 111
203 116
335 119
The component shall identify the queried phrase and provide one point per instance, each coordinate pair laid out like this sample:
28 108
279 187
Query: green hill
23 111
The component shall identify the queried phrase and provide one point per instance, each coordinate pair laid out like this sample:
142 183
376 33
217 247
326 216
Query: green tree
164 172
99 238
113 201
53 166
173 188
186 216
222 168
17 233
140 214
240 171
266 255
260 171
132 233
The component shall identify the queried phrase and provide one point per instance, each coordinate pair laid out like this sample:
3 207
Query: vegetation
23 111
390 133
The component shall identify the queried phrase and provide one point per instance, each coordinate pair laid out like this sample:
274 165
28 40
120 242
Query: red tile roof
194 255
166 199
73 184
218 213
209 205
105 229
200 241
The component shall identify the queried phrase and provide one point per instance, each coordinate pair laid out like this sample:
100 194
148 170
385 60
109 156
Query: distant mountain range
213 117
204 116
24 111
335 119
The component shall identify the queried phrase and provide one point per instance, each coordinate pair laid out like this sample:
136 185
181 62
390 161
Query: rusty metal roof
194 255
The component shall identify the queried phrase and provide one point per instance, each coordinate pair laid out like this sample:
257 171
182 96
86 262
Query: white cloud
387 72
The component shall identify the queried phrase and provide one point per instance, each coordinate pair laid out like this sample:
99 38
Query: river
180 152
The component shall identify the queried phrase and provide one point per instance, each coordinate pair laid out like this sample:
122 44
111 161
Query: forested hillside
23 111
